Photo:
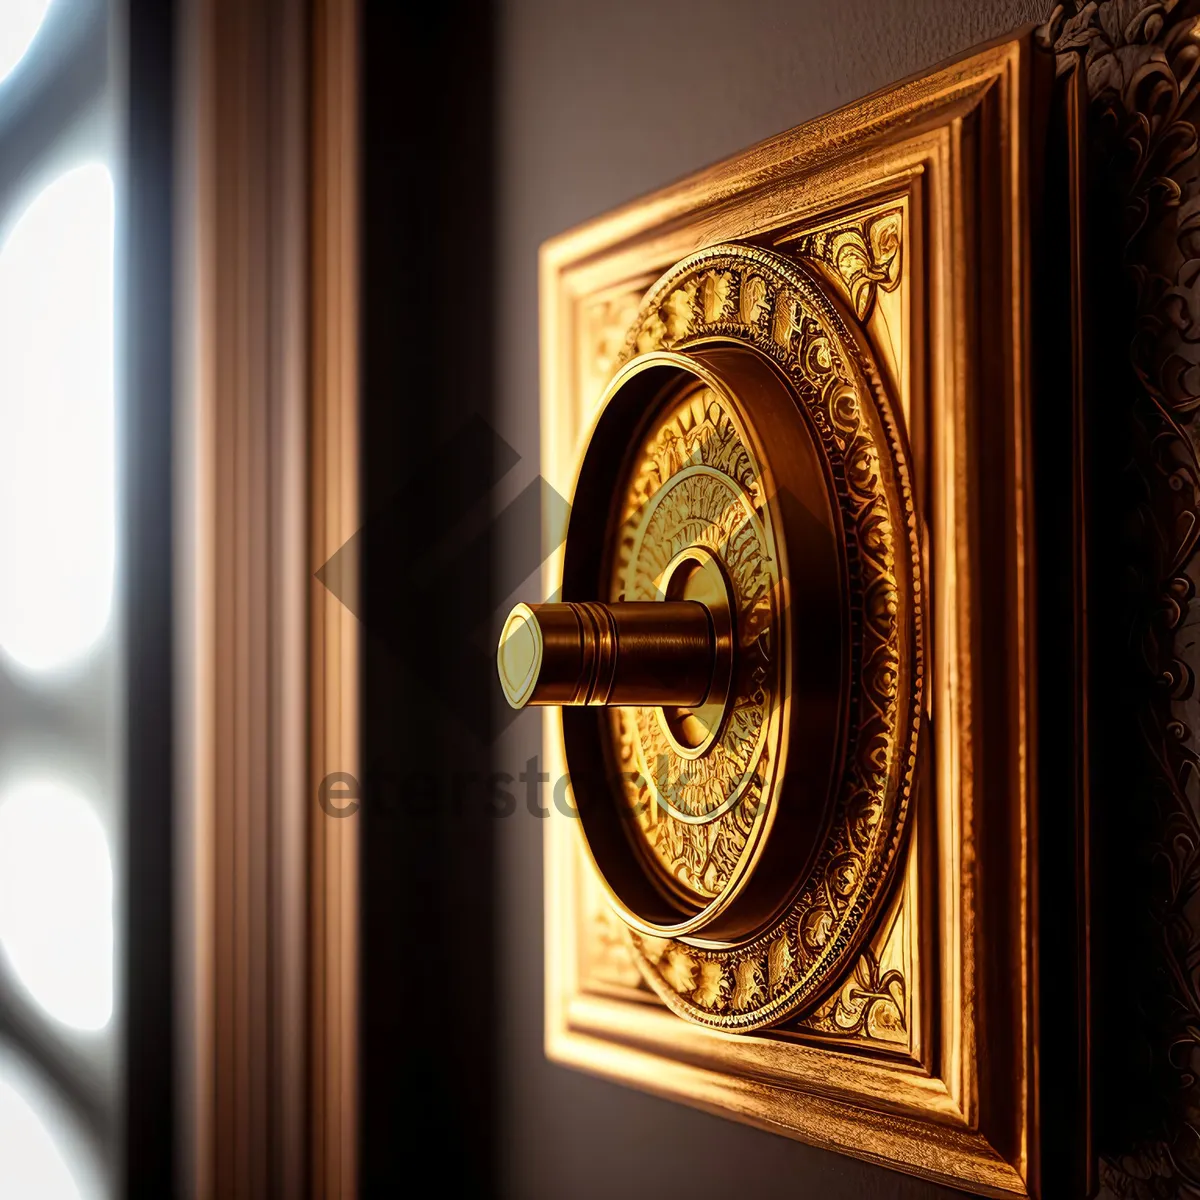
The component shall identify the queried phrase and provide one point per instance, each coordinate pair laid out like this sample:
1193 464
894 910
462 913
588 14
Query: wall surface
598 103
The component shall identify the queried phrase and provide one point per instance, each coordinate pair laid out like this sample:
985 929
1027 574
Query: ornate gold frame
926 1057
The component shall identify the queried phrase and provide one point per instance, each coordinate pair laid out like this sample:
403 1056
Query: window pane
19 22
46 1153
56 901
56 423
30 1164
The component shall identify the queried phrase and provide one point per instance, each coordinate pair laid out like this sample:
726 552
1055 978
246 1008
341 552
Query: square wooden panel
914 205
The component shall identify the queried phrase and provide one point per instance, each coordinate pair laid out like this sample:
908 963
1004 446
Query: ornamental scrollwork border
862 256
1140 59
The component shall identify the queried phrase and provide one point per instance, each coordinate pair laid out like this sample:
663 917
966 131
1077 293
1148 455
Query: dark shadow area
426 551
148 602
1145 869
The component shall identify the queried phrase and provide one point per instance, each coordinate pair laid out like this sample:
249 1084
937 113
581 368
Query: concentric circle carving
695 479
695 484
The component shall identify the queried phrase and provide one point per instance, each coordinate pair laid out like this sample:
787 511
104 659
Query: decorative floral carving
718 294
606 322
608 958
786 319
679 970
711 987
752 299
871 1002
680 309
861 256
1140 61
779 964
748 983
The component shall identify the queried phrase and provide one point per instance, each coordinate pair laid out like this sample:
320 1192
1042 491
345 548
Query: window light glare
30 1163
57 518
56 900
19 22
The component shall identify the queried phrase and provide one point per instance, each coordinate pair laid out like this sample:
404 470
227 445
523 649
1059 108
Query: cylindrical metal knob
642 653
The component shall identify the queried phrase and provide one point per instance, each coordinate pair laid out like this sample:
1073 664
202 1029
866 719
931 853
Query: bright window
19 22
56 422
56 901
30 1163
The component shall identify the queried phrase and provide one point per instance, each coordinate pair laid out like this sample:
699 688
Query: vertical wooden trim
291 576
195 623
334 628
266 484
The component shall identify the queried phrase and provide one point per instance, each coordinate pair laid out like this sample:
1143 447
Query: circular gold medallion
746 457
695 780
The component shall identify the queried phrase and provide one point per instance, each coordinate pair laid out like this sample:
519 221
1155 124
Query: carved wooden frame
1141 63
926 1057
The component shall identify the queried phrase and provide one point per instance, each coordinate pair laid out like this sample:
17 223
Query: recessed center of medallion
696 574
693 530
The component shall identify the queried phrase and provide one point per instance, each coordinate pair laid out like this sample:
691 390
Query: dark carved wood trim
1140 60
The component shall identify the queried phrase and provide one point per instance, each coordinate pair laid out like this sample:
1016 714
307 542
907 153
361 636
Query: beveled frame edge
862 122
334 630
931 1147
956 1156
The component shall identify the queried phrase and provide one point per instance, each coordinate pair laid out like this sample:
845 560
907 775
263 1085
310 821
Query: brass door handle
677 653
620 654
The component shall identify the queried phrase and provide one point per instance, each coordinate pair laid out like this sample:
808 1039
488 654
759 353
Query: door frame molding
266 490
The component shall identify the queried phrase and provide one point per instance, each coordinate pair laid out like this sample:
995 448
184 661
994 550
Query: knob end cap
519 655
